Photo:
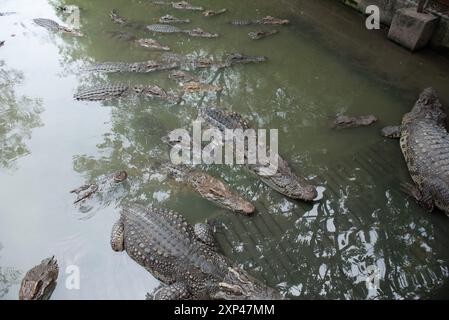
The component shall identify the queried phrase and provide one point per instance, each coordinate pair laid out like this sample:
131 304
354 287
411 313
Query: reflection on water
361 225
19 115
8 277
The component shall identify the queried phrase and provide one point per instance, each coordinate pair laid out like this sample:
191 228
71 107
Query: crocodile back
164 243
106 92
425 145
163 28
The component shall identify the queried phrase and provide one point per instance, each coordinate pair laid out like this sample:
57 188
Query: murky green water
322 64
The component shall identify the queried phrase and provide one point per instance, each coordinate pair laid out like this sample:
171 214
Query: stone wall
440 39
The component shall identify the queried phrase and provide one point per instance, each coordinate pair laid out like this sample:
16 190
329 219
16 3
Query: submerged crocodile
238 58
268 20
212 13
166 28
40 282
103 183
116 18
257 35
171 19
168 247
343 122
196 86
209 187
143 42
182 76
200 33
136 67
284 180
183 5
116 91
425 145
56 27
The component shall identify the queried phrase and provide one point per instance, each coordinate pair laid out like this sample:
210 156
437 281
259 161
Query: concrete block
411 29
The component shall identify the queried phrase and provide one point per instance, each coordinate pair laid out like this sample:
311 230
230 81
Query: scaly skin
163 28
108 92
210 188
56 27
167 246
284 180
40 281
136 67
101 184
425 145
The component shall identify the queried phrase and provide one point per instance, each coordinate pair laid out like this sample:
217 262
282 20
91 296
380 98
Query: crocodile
238 58
342 121
260 34
162 242
209 187
151 43
164 28
183 5
182 76
393 132
40 282
272 21
284 180
424 144
200 33
212 13
116 18
195 62
171 19
116 91
101 184
143 42
196 86
56 27
268 20
136 67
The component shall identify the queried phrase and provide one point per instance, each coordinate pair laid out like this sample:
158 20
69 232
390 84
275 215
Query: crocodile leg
176 291
423 197
205 234
117 236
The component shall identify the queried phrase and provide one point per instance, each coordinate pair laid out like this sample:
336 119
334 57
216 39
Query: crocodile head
286 182
40 281
239 285
428 107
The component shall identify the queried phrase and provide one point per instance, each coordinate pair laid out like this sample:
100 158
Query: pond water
323 63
